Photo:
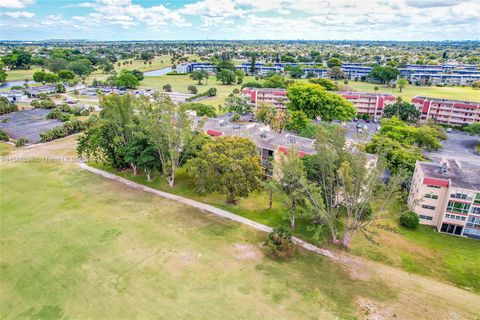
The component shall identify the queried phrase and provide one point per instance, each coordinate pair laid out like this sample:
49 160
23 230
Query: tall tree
315 101
405 111
402 83
290 175
170 132
228 165
226 76
199 75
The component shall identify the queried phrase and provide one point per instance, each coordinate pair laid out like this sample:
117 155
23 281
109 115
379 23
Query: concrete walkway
205 207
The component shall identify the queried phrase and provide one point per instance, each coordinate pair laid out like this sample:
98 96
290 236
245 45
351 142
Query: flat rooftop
463 175
261 135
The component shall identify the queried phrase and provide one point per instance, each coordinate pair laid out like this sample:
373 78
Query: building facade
446 195
371 104
449 112
275 96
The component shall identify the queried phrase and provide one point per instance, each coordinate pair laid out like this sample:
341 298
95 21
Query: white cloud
19 14
432 3
16 4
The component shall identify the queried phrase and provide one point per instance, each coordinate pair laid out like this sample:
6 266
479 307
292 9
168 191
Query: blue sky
240 19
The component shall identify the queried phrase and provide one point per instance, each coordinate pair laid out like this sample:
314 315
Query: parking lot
459 145
28 124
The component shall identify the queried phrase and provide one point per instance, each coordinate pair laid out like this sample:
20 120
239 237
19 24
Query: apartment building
355 70
446 195
275 96
449 112
466 77
268 142
371 104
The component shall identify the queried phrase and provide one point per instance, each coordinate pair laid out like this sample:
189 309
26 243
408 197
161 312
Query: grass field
455 93
21 74
5 149
83 247
78 246
180 83
451 259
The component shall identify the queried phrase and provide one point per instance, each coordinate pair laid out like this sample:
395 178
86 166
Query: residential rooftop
262 136
460 174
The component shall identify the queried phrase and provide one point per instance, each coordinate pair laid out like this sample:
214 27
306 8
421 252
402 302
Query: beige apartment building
371 104
275 96
449 112
446 195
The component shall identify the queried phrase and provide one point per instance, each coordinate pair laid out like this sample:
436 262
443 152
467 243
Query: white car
449 130
365 127
379 128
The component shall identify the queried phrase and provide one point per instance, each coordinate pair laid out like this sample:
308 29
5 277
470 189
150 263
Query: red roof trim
285 150
436 182
214 133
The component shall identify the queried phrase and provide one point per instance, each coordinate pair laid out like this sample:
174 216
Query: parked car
379 128
449 130
367 120
359 126
365 127
355 120
375 120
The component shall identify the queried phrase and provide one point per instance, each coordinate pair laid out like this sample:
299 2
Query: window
458 207
431 196
425 217
473 222
461 196
477 199
434 187
455 217
424 206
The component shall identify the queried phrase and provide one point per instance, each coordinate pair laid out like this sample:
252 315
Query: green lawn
180 83
5 149
456 93
78 246
450 259
21 74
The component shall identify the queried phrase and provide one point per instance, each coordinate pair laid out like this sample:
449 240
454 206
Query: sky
240 19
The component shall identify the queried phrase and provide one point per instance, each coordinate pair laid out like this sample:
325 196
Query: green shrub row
69 127
212 92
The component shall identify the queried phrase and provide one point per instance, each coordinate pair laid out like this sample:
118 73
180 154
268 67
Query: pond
159 72
10 84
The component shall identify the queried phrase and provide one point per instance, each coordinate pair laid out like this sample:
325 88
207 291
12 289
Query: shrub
3 136
21 142
202 109
212 92
409 219
192 89
235 117
167 88
60 88
279 243
7 106
69 127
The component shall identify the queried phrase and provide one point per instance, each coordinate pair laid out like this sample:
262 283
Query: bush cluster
44 103
21 142
212 92
409 219
3 136
69 127
7 106
64 112
279 243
